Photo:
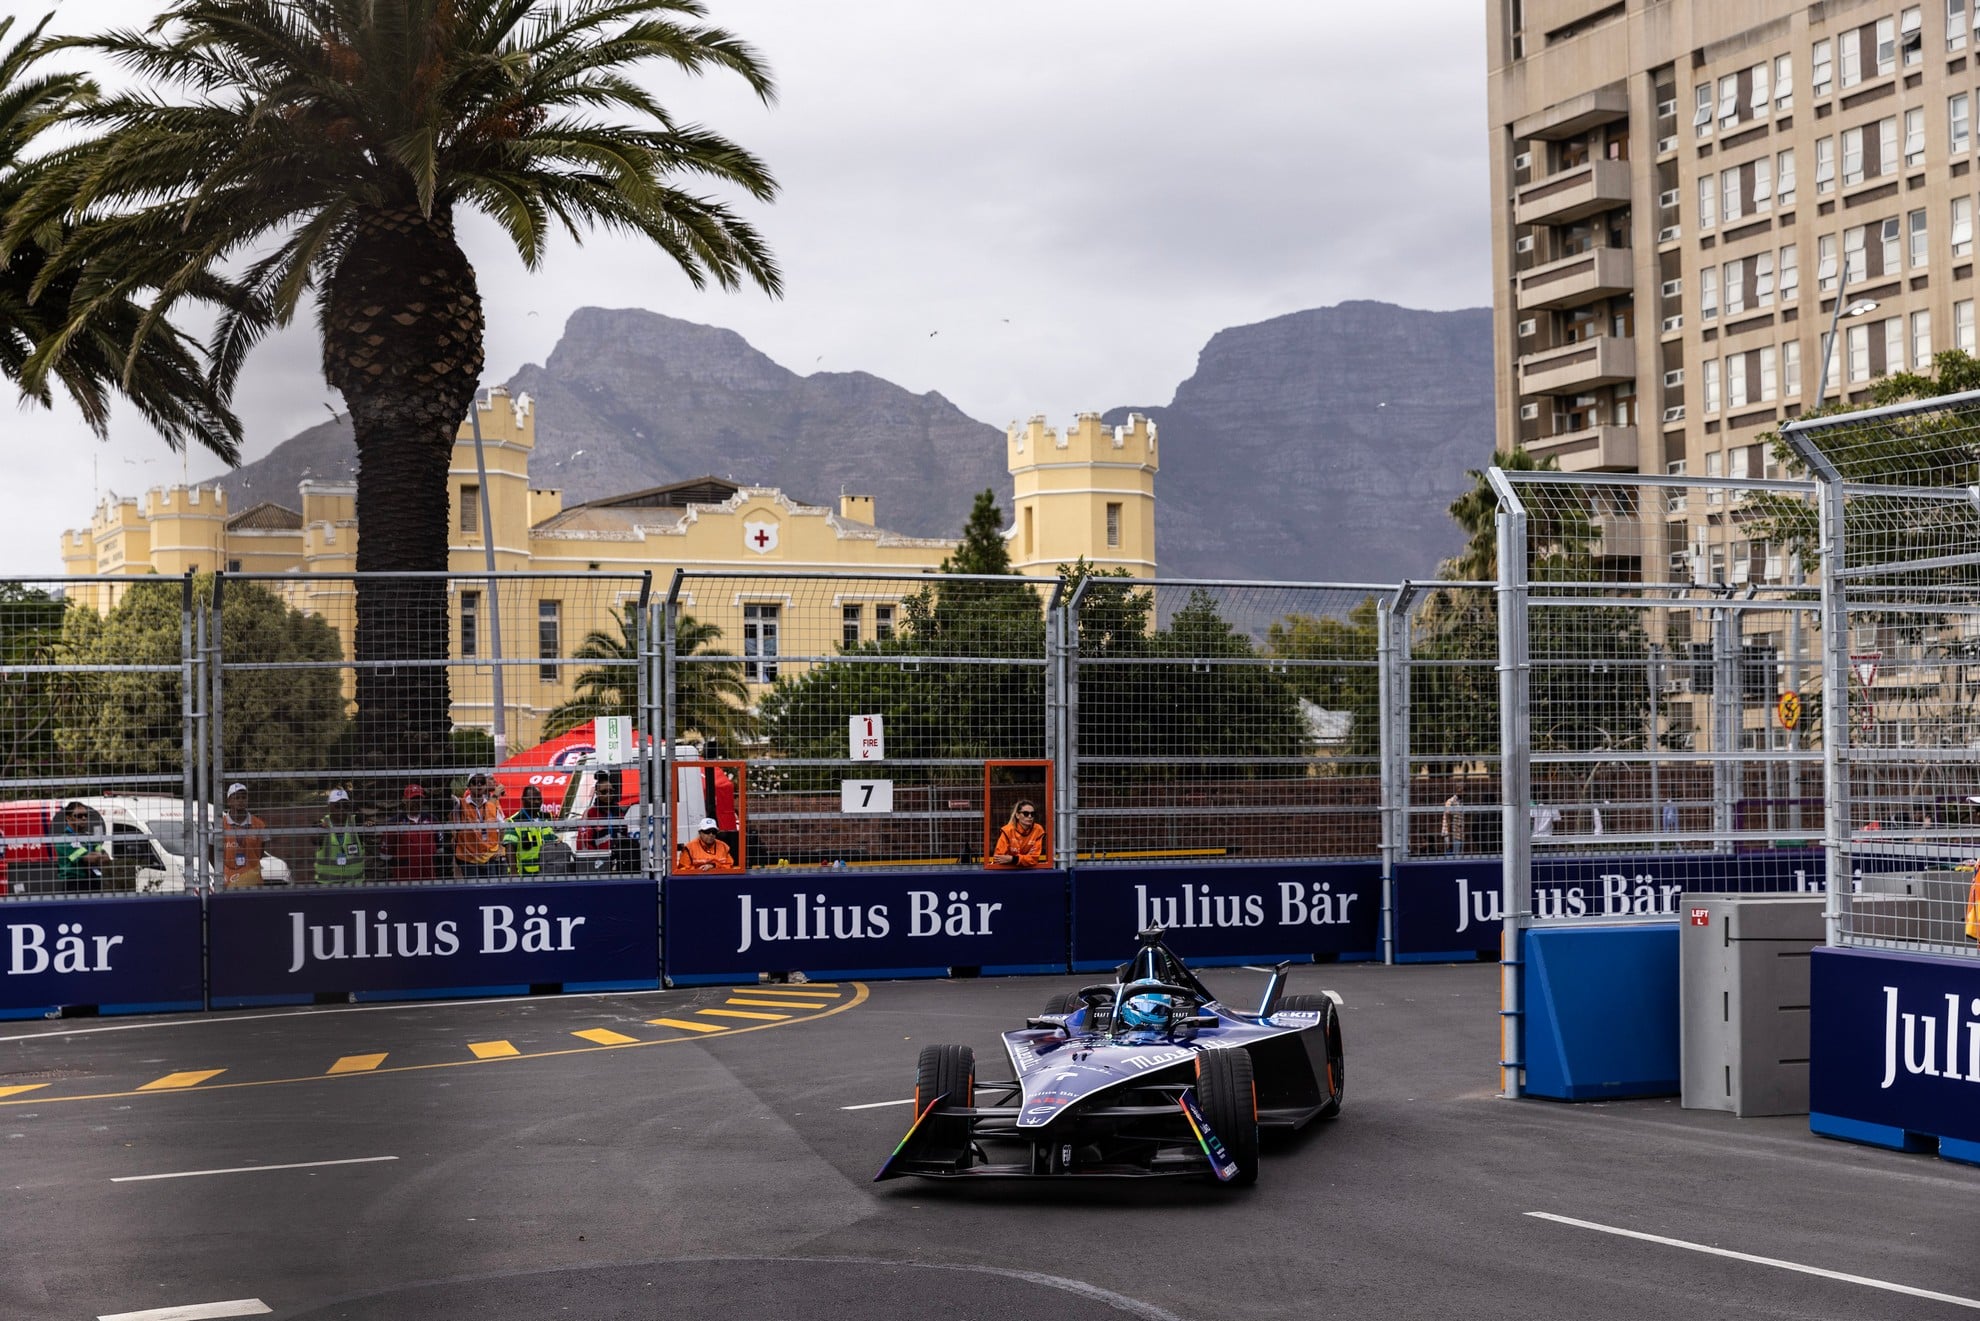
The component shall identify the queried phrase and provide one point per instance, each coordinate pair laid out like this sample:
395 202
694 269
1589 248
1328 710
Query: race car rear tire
950 1073
1225 1090
1335 1083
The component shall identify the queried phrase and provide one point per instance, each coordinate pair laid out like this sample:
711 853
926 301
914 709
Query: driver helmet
1147 1013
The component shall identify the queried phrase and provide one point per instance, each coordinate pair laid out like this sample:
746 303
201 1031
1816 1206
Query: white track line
194 1311
246 1169
1863 1280
875 1105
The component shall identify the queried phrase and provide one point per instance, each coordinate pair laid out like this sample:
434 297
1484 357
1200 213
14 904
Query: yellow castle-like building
1087 491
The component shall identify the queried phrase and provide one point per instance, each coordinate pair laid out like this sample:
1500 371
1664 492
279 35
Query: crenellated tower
1087 491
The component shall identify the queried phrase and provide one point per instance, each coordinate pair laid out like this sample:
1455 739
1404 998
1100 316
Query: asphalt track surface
495 1165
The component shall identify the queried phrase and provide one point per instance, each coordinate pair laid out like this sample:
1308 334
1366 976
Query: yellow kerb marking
686 1026
795 990
358 1063
740 1013
172 1081
604 1036
492 1050
28 1087
776 1004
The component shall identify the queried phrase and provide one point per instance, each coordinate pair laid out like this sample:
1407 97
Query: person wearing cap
706 851
606 830
411 849
478 850
528 831
243 839
340 853
1021 843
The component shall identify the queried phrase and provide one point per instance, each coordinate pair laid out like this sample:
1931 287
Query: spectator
79 857
1595 820
1670 817
1021 843
609 832
243 839
1451 829
340 853
528 831
706 851
478 851
1543 818
411 852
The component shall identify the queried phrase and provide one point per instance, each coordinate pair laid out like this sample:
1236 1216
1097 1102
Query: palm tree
711 698
324 148
166 380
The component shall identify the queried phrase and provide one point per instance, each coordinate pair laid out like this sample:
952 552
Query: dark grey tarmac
684 1172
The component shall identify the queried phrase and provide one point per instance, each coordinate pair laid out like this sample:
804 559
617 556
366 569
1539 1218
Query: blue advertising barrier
1451 908
284 945
1601 1012
726 926
1894 1056
1228 912
117 955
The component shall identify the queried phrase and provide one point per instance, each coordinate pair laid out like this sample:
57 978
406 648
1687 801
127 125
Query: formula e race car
1148 1074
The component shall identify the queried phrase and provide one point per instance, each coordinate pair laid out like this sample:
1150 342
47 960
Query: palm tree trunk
402 341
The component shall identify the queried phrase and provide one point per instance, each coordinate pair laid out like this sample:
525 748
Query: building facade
1086 492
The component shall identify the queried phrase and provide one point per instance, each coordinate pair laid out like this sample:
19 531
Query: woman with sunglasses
1021 843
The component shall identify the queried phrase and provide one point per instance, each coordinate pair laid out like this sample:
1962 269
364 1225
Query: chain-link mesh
1227 720
1902 544
1672 678
1450 669
866 708
358 743
97 686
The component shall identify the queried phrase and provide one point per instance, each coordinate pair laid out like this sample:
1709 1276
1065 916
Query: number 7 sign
869 738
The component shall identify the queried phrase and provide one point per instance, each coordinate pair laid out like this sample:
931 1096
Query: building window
1729 100
849 621
1914 136
1708 201
1854 265
1963 325
1113 524
1955 25
1852 147
1825 165
1893 345
1701 119
549 638
470 507
1825 263
1708 293
1962 227
1763 184
1784 83
1711 379
1886 45
883 623
1790 274
1849 54
233 566
1735 287
1791 369
1911 35
470 625
1887 235
1729 199
1736 387
1784 177
1859 353
1959 134
1921 340
1920 247
760 643
1887 152
1819 72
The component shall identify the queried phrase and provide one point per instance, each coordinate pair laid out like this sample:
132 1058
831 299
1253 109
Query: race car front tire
1229 1099
1335 1083
1064 1003
950 1073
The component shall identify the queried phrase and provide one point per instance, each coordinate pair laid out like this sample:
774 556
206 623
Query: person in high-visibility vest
527 832
478 850
1973 904
340 853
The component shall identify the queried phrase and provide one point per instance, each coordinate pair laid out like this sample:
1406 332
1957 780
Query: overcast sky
1030 207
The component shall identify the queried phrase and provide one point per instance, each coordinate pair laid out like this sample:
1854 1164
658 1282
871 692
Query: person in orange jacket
1973 904
1021 843
706 851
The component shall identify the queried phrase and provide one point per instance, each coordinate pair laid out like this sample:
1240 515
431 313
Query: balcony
1573 194
1597 449
1575 368
1582 278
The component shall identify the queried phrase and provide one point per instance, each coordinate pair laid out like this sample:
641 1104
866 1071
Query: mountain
1322 445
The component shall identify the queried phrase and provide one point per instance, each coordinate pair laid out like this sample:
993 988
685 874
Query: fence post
1728 697
190 675
670 687
645 731
1392 687
216 716
1069 790
1516 779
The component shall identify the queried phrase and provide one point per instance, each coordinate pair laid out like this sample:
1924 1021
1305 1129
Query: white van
150 831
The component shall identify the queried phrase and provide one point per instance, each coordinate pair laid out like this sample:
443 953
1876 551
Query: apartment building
1684 190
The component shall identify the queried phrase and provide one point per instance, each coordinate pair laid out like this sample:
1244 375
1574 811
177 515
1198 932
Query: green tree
324 149
972 617
711 698
30 636
56 327
1348 680
281 697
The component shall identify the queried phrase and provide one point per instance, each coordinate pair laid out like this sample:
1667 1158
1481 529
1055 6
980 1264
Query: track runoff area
689 1173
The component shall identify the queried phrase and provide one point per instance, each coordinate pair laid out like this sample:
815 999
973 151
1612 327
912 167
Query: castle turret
508 438
1088 491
